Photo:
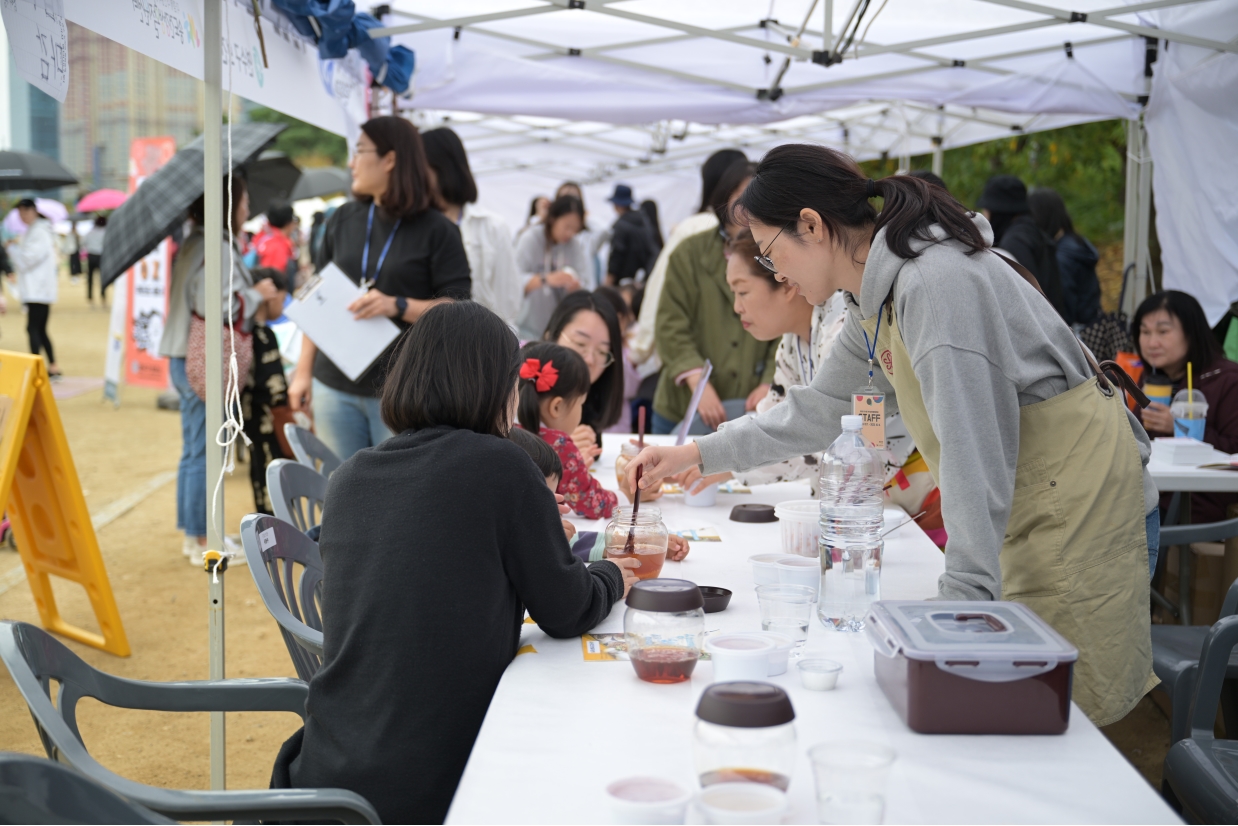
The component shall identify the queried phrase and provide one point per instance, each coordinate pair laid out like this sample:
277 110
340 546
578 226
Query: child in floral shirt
553 384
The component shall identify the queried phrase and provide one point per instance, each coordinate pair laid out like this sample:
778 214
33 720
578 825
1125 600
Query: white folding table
559 729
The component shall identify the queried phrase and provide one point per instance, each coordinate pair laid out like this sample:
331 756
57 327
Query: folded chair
273 549
297 493
310 451
35 659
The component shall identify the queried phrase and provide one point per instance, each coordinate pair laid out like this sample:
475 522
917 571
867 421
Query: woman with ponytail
1045 495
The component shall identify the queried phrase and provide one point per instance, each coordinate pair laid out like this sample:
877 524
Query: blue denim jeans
662 425
347 422
1153 525
191 472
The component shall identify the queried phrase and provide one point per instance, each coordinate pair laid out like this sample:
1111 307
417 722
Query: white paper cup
740 803
763 570
647 800
705 499
799 570
739 657
780 656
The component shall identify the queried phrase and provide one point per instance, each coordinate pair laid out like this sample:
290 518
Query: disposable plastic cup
786 609
739 657
1190 409
1189 428
705 499
851 781
1160 393
799 570
647 800
740 803
819 675
764 571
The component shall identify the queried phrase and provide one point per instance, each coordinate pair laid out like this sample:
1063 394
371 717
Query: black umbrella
321 182
271 178
160 203
26 170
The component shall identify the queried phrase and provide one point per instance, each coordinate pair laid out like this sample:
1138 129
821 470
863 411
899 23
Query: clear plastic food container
800 521
971 667
744 734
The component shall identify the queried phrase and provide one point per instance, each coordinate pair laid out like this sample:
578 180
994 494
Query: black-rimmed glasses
763 258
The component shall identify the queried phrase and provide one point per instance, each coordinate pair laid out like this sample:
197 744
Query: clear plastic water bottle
851 523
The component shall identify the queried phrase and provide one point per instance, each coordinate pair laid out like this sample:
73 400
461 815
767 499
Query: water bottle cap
853 422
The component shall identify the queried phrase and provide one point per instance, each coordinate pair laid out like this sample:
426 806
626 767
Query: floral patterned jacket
581 492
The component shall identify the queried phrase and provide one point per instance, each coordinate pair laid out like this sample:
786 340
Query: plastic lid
739 642
853 422
753 513
797 562
982 631
665 595
799 510
745 705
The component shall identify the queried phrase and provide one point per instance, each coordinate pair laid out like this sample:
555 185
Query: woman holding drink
1044 493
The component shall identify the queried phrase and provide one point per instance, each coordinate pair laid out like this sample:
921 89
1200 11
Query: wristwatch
401 306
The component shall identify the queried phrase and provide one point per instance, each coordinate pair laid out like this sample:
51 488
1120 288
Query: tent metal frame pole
1143 256
1130 218
212 173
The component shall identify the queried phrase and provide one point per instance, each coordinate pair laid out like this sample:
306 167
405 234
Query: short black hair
278 277
616 299
604 405
446 155
563 205
571 383
542 454
456 367
1202 348
280 214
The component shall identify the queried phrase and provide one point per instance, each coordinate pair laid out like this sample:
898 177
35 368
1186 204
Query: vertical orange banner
149 279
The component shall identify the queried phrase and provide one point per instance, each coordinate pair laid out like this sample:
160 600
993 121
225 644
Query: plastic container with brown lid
971 667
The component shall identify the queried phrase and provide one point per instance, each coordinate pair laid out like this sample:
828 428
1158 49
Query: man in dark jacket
631 248
1004 203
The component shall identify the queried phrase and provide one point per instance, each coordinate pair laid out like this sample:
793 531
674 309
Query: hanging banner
149 280
39 42
170 31
116 332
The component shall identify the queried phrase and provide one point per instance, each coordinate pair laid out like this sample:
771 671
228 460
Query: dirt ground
163 601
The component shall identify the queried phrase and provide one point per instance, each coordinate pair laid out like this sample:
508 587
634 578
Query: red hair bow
543 376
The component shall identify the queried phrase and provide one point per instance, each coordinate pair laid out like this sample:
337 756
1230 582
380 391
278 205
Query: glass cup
649 539
851 781
786 609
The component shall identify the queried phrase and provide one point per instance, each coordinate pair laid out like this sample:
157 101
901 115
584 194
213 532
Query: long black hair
446 156
730 180
1201 345
711 172
604 405
797 176
1049 212
570 383
563 205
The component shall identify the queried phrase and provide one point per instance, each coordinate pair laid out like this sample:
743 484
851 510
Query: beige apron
1076 549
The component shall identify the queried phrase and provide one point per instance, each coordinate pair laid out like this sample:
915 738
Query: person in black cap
1004 203
631 249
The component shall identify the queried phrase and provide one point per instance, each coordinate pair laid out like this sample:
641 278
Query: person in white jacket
35 261
487 240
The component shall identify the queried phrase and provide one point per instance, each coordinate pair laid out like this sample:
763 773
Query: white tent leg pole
1130 218
1143 256
212 171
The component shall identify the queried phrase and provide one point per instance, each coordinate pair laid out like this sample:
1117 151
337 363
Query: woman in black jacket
433 544
1004 203
1076 257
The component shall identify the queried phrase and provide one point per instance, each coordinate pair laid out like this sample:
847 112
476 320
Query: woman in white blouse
552 261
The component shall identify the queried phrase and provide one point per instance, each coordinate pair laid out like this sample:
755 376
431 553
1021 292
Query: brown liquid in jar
778 781
664 663
651 557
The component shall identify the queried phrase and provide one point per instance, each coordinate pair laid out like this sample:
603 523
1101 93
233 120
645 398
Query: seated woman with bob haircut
434 543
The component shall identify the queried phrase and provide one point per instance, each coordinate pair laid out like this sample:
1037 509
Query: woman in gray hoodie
1044 491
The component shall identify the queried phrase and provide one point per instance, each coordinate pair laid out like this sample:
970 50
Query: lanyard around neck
872 347
366 283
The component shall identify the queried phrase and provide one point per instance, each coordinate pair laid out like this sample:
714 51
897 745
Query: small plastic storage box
971 667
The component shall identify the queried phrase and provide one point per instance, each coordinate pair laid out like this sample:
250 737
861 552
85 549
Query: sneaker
197 555
234 550
189 545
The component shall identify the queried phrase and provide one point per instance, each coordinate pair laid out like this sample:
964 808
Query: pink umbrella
101 200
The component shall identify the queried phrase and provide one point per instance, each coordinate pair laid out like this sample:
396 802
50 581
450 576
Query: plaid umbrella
26 170
160 203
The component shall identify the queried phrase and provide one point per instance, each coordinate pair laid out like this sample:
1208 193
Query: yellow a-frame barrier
48 513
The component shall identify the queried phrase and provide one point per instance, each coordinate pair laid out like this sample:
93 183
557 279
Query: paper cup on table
705 499
727 803
647 800
739 657
780 656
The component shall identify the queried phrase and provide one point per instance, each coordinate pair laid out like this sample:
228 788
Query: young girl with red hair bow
553 384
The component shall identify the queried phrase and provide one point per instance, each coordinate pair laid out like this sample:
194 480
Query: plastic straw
1190 392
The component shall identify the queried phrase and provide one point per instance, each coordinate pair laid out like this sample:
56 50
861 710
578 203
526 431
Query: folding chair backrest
274 548
38 790
310 450
297 493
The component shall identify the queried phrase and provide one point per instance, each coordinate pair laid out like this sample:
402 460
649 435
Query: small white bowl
740 803
647 800
819 675
739 656
779 657
763 570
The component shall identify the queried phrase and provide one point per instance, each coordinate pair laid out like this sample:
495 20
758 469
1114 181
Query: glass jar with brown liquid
648 537
744 734
664 625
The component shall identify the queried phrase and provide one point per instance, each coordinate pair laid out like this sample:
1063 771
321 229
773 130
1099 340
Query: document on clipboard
320 310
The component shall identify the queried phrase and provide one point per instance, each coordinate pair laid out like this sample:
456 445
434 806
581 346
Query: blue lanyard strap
872 347
382 256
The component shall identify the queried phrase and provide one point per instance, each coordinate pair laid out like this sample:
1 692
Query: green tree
304 143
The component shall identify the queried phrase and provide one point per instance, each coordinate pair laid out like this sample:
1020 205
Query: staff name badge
870 407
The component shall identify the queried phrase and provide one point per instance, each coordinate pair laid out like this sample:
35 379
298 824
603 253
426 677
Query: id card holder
870 404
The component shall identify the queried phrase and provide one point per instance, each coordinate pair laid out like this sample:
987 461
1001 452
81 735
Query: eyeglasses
763 258
586 350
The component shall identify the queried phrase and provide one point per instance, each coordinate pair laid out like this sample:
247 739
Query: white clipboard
320 309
